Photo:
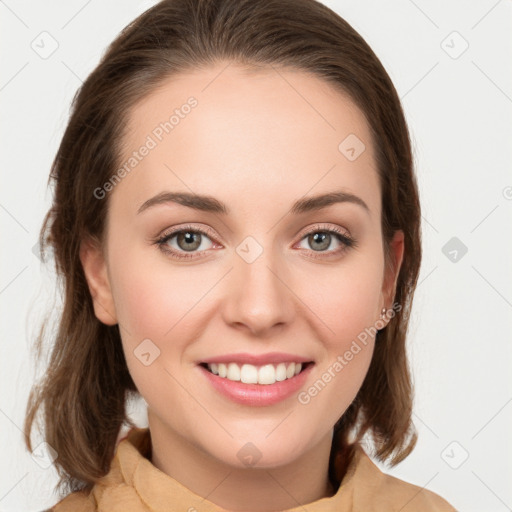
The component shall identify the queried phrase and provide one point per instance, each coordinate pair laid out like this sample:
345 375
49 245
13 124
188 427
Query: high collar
156 490
134 484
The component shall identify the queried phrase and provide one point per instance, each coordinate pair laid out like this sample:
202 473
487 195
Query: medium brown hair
82 397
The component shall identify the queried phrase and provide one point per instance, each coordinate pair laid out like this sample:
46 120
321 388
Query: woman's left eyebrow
210 204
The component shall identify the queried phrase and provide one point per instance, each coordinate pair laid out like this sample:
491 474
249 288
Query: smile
229 381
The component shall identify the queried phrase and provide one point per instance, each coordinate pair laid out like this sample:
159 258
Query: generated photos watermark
304 397
152 140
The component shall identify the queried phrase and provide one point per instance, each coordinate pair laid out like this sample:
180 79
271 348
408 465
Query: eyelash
347 241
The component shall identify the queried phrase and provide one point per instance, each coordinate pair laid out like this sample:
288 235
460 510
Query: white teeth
267 374
233 371
280 372
250 374
223 371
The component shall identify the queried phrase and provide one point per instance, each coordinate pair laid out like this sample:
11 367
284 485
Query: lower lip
257 394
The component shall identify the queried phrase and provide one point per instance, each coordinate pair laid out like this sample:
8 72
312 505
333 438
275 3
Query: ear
95 270
391 271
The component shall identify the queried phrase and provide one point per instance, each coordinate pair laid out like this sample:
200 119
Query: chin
260 453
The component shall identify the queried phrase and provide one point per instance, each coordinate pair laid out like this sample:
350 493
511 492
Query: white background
459 111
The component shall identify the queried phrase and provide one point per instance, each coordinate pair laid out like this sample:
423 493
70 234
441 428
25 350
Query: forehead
270 133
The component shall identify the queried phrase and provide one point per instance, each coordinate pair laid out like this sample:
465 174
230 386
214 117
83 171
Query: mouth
265 375
263 385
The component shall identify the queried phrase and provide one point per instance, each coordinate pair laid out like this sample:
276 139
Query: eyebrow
210 204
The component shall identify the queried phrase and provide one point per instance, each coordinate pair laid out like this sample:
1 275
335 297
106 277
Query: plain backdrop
450 62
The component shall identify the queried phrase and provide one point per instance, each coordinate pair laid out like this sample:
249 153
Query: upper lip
257 360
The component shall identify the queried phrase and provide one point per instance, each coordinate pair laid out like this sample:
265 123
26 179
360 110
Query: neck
242 489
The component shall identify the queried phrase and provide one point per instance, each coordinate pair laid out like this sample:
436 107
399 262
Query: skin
256 144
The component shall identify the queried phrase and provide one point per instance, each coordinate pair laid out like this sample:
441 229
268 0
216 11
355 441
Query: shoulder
408 497
376 490
75 502
113 491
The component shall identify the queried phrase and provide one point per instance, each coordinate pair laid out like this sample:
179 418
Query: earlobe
95 270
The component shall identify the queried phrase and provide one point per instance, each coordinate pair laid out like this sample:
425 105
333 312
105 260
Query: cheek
158 306
345 299
346 303
150 299
152 304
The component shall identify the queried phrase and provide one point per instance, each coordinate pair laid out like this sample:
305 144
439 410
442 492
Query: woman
237 226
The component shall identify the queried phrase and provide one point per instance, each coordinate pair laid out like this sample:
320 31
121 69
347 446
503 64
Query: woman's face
266 266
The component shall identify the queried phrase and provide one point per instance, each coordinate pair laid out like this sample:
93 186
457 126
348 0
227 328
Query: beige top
134 484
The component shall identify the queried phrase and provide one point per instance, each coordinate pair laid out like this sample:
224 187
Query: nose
258 298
